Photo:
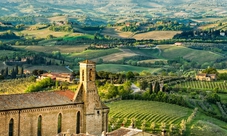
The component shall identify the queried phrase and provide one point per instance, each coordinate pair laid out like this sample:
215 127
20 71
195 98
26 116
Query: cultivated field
159 112
204 85
113 32
152 61
207 129
43 33
51 68
49 49
189 54
156 35
15 86
149 111
91 54
124 68
117 56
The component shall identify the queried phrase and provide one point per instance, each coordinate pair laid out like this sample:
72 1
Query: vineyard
222 86
148 111
15 85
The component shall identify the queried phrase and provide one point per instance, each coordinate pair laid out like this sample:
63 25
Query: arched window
82 75
11 125
59 122
90 75
39 131
78 123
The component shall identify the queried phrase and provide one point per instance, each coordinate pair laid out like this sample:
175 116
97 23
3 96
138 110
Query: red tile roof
66 93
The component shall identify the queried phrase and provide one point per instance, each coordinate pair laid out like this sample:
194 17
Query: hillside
100 12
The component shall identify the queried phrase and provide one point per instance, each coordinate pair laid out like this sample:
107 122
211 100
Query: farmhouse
50 113
206 77
64 77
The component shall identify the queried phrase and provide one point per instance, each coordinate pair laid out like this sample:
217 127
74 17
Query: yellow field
58 18
43 33
50 49
153 61
114 32
222 70
117 56
156 35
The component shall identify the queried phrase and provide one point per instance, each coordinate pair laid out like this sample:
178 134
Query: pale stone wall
5 118
29 120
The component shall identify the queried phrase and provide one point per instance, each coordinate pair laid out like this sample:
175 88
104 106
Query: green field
190 54
159 112
222 86
91 54
123 68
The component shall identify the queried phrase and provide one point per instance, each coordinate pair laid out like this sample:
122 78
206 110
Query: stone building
206 77
63 77
49 113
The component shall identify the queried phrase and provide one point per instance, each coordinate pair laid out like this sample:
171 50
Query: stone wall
29 120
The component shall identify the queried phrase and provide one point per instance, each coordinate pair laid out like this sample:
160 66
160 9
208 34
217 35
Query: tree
130 75
49 37
210 70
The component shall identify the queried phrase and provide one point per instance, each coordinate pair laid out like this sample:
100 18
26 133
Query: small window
11 125
39 131
82 75
59 123
98 112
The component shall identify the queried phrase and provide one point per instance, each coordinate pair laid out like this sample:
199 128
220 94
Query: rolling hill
104 11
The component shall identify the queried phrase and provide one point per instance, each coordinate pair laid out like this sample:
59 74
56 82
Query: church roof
88 62
35 100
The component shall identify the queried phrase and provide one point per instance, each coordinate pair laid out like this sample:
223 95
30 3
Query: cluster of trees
109 91
13 73
168 26
40 85
129 28
65 28
115 78
8 35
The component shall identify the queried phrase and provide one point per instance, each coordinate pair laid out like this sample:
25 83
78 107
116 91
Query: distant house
206 77
141 46
178 44
222 33
193 24
128 24
64 77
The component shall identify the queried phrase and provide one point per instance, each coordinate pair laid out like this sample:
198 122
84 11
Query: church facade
49 113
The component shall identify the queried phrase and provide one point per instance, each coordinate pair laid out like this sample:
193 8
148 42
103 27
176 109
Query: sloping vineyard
14 86
222 86
149 111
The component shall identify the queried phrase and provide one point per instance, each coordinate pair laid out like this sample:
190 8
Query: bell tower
95 113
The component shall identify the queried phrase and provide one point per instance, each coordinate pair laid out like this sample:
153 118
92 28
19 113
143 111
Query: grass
117 56
190 54
123 68
114 32
156 35
223 98
205 128
49 49
72 38
222 70
91 54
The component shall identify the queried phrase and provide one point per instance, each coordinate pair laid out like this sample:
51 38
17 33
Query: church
50 113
